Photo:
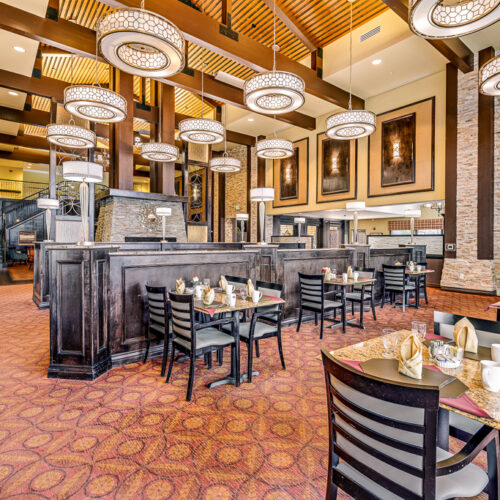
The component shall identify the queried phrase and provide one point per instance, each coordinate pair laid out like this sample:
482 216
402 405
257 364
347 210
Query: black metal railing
17 190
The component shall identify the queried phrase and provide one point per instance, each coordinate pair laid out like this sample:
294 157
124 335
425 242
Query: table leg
417 302
498 314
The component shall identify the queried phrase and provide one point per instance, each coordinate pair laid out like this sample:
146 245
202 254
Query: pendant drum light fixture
353 123
445 19
159 151
489 77
224 163
274 149
141 42
201 130
70 136
274 92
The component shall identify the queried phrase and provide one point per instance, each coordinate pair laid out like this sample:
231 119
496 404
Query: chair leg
220 356
250 358
316 319
373 309
331 492
352 308
321 327
171 363
425 293
404 301
280 348
237 364
148 343
209 360
191 377
383 300
257 349
492 451
166 342
343 320
300 319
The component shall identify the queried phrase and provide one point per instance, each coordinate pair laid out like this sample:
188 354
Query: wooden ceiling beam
73 38
455 51
288 18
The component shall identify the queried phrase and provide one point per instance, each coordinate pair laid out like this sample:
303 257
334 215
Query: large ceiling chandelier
442 19
201 130
353 123
274 92
489 77
141 42
70 136
159 151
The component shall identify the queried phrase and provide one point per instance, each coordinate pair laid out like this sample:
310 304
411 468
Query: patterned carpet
130 435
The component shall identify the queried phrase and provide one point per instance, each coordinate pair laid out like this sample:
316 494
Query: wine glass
206 281
243 294
419 328
389 342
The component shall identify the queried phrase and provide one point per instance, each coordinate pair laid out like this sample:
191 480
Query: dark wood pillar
52 174
450 219
227 7
91 192
154 133
317 62
185 178
222 207
249 186
166 171
261 179
122 135
485 168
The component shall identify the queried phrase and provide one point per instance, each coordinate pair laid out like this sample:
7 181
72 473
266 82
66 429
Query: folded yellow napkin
398 264
250 288
328 273
410 360
465 335
223 283
349 272
180 286
207 295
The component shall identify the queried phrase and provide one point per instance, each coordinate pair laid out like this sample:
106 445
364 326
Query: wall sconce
288 174
395 149
196 193
299 221
335 166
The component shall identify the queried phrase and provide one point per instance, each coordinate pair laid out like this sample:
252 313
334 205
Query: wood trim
166 171
485 168
450 218
249 186
222 207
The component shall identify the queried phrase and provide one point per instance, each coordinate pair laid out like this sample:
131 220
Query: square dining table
416 275
241 305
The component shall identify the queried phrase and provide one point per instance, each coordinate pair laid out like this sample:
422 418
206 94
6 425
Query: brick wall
466 271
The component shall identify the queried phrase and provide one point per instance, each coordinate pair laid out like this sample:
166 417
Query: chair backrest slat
394 275
311 288
157 306
181 307
237 281
381 430
273 290
365 272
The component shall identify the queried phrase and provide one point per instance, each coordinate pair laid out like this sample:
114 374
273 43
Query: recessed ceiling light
251 119
376 62
17 48
11 92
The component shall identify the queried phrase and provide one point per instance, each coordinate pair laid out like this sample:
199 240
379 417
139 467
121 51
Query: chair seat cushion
260 329
207 337
357 296
395 288
329 304
467 482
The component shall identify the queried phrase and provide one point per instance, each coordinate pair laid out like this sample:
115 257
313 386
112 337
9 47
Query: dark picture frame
398 151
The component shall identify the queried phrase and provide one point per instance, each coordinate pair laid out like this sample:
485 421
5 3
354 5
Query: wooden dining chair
197 339
423 281
237 281
265 323
385 435
395 283
363 293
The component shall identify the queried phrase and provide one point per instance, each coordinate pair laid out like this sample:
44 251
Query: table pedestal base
350 322
230 380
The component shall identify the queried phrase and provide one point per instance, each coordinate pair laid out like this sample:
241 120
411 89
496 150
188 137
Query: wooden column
222 207
92 192
485 168
317 62
450 219
52 173
122 135
261 179
185 178
249 186
166 171
154 133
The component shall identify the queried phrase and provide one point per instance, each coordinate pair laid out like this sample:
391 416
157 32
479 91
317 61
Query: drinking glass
243 294
389 341
419 328
206 281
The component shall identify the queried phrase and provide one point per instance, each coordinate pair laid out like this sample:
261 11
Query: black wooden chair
385 433
312 298
237 281
198 339
395 283
265 323
363 293
423 282
157 311
463 428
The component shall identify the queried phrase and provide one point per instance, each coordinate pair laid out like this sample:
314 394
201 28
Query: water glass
419 328
206 281
389 341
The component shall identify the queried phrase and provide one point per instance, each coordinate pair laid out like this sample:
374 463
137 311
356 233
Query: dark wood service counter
97 294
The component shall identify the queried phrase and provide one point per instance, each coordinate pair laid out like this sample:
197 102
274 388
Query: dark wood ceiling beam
287 17
453 49
227 12
78 40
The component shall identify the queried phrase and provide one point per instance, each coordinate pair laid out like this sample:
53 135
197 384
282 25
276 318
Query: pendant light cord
96 81
71 121
350 60
274 35
203 64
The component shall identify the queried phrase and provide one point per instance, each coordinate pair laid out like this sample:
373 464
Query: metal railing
17 190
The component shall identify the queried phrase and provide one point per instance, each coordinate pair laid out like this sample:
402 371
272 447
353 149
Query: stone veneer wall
121 217
236 194
466 271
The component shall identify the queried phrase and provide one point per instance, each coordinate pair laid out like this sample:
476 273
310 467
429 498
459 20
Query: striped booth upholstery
312 298
395 282
385 435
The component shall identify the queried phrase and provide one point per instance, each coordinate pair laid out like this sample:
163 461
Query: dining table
496 306
344 284
220 306
415 275
476 402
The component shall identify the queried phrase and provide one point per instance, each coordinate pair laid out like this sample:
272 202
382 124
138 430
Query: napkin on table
349 272
250 288
465 335
410 360
180 286
328 273
208 295
223 283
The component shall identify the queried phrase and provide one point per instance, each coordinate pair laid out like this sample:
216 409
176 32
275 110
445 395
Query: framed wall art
401 150
336 169
291 177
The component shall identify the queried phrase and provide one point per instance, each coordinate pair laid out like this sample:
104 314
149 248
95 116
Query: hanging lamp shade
201 131
95 103
163 211
47 203
355 205
141 42
410 212
82 171
274 92
262 194
70 136
225 164
444 19
489 77
159 151
351 124
274 149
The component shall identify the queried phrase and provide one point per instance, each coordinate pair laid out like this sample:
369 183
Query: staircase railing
17 190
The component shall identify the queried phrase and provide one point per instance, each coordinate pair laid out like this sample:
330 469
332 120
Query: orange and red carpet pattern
130 435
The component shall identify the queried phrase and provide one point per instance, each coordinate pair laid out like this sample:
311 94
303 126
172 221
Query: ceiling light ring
274 149
437 19
489 77
70 136
351 124
197 129
132 28
159 151
225 164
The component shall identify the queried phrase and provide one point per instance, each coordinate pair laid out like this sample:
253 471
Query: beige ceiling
12 101
10 128
13 61
37 7
489 37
